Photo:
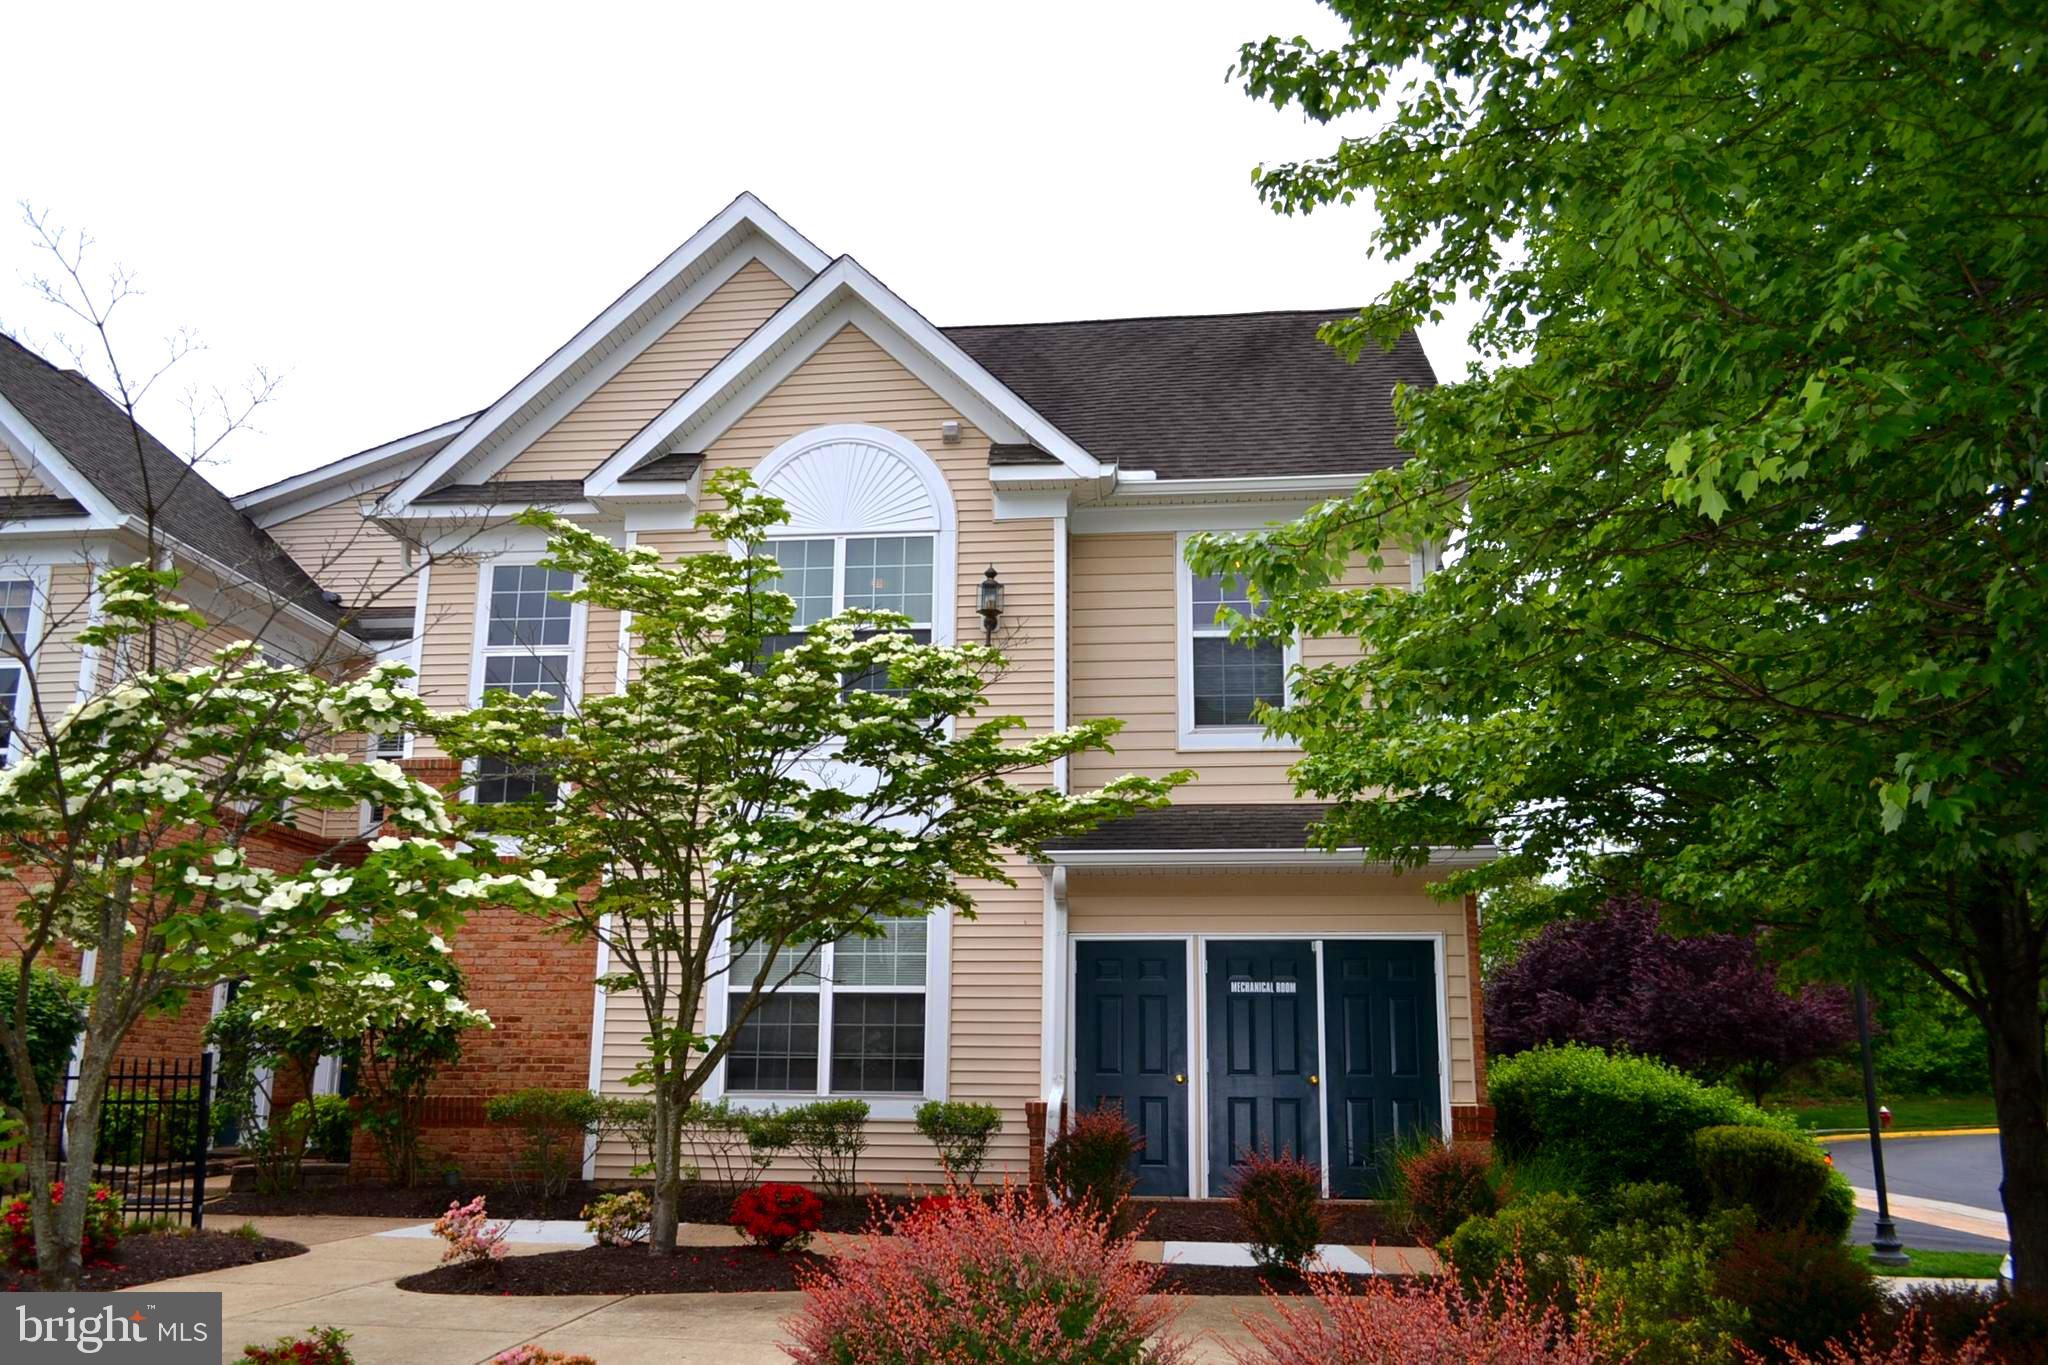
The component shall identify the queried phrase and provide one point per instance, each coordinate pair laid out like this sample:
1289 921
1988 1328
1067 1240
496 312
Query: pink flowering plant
530 1354
972 1279
618 1220
472 1238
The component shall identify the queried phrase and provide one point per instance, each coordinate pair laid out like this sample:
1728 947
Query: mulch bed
1352 1223
699 1204
622 1270
1243 1280
152 1256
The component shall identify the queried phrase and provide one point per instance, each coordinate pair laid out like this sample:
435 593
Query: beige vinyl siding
448 640
994 1025
1288 904
15 479
347 554
1126 658
597 427
55 645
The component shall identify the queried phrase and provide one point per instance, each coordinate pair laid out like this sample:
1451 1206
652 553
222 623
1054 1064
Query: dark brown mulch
1352 1222
622 1270
700 1203
1241 1279
152 1256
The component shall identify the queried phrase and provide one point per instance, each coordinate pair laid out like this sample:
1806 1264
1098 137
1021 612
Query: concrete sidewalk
348 1278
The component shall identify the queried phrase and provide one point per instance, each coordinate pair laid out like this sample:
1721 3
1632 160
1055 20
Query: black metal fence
154 1134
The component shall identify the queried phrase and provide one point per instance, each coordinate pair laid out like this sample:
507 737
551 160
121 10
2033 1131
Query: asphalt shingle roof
38 507
1262 825
1217 396
94 434
525 492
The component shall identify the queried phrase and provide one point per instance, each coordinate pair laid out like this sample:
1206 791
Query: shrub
1797 1287
1652 1284
778 1217
720 1137
472 1238
1597 1121
1438 1322
962 1133
1439 1186
618 1220
56 1016
143 1124
1950 1316
102 1226
531 1354
1912 1342
328 1123
995 1279
830 1135
1089 1165
1280 1204
1836 1212
629 1118
553 1124
1778 1176
1541 1234
318 1346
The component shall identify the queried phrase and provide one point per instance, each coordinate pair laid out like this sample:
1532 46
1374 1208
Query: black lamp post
990 604
1885 1248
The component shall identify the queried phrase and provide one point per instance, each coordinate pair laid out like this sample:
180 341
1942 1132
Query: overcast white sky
402 209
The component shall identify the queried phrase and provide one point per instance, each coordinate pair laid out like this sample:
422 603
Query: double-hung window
17 609
527 648
826 575
849 1019
1224 682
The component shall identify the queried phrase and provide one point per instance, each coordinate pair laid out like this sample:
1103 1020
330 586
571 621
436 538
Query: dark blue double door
1268 1015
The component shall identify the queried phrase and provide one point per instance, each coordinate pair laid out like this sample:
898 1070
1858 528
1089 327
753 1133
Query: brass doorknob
1315 1080
1179 1079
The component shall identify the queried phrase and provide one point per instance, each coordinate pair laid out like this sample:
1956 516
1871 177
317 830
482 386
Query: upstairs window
826 575
1224 682
17 609
527 648
850 1020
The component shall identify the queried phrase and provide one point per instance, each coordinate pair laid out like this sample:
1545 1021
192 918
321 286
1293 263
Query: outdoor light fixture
991 604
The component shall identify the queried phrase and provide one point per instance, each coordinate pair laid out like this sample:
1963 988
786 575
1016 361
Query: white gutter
1252 857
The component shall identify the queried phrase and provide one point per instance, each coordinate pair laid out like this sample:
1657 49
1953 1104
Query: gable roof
294 495
744 229
100 446
1219 395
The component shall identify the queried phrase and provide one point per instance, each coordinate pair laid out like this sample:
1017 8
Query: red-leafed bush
1280 1203
319 1346
1801 1288
1439 1186
1913 1342
1090 1163
779 1217
1954 1313
1437 1322
102 1226
980 1280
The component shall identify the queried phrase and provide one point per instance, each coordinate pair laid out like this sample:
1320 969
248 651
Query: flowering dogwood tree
123 828
743 792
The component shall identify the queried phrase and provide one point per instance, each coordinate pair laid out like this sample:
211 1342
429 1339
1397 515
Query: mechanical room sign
165 1329
1263 988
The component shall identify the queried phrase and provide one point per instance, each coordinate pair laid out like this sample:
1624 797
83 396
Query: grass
1939 1265
1910 1113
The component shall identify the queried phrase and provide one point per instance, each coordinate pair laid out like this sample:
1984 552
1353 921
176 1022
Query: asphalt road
1961 1170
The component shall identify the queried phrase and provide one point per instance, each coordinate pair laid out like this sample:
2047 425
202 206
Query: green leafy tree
1743 590
123 831
739 789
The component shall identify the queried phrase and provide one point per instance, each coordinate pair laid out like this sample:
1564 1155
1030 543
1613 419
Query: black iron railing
155 1129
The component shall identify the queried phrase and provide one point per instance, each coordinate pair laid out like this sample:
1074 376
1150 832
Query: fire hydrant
1884 1116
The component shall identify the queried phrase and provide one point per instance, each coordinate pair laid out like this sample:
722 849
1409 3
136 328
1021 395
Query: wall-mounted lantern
991 604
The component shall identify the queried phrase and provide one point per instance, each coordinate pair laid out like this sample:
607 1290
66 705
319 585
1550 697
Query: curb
1841 1134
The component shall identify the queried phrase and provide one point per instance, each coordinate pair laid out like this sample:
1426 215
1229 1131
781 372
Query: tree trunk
666 1211
60 1228
2012 975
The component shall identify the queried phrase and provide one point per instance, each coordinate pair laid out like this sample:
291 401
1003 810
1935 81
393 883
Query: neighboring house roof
1223 826
350 474
1212 396
38 507
97 440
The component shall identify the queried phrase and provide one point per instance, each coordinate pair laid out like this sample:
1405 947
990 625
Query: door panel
1131 1048
1383 1083
1261 1007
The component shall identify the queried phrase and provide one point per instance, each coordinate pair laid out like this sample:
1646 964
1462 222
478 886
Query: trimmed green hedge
1594 1121
56 1016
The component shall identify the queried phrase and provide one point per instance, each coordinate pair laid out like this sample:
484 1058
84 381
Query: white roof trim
280 501
777 245
53 470
843 292
1253 857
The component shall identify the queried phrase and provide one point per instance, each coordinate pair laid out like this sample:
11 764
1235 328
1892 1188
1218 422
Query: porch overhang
1230 836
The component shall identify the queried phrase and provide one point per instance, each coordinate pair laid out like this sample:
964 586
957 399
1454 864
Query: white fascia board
49 466
1167 859
1153 490
790 254
844 290
438 513
337 479
1016 504
1096 520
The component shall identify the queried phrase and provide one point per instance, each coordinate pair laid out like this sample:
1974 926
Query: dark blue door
1131 1048
1382 1082
1262 1054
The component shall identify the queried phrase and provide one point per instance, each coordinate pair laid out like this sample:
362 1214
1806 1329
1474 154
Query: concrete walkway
348 1278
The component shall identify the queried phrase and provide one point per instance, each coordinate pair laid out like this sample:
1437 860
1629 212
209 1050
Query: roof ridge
1157 317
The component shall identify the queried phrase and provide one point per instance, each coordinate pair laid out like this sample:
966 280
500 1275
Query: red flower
778 1216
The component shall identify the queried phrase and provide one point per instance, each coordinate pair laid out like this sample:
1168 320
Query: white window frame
480 650
1207 737
37 576
407 653
938 981
839 542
